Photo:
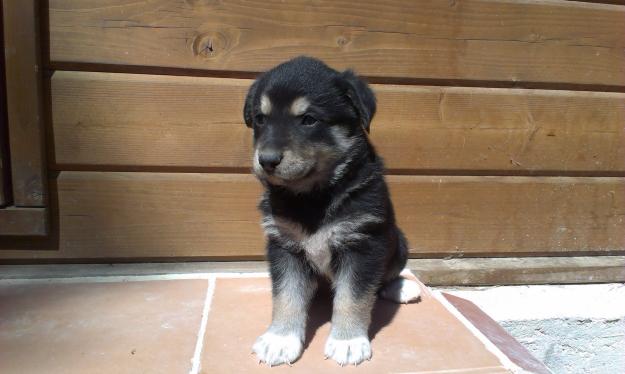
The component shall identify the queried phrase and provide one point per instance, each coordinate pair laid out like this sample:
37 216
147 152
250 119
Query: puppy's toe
274 349
348 352
401 290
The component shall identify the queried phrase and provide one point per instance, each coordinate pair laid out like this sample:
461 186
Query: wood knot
209 45
342 41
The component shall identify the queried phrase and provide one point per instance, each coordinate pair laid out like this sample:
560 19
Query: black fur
351 185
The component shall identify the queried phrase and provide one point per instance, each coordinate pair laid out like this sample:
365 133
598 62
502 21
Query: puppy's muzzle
269 160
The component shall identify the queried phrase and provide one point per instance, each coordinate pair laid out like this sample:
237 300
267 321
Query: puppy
326 207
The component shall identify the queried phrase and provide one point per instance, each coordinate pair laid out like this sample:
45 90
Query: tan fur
265 105
299 106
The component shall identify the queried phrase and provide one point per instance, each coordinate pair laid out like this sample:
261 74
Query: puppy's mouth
301 171
278 178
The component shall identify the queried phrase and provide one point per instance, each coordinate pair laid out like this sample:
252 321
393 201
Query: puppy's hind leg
406 288
400 284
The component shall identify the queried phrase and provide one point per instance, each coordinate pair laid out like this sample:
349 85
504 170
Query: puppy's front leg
293 286
351 315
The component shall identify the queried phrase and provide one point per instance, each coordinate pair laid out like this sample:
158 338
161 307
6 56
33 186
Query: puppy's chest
316 245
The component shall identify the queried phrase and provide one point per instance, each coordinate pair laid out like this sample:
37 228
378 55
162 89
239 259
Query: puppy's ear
248 108
360 95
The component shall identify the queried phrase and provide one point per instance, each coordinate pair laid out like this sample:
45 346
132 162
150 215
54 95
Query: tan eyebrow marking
265 105
299 106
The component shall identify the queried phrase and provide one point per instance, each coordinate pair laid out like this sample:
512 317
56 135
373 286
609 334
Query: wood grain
553 42
515 270
24 102
105 120
4 134
4 149
510 214
23 221
3 182
109 215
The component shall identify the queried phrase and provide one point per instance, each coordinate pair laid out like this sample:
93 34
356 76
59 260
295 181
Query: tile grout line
196 360
489 345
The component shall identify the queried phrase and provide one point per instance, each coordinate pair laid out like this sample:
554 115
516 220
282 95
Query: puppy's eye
259 119
308 120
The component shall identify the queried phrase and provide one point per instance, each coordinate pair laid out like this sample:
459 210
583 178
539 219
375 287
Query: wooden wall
502 122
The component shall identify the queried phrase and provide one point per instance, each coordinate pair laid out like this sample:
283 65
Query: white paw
401 290
274 349
346 352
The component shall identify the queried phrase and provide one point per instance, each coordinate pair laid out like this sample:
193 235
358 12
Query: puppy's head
308 119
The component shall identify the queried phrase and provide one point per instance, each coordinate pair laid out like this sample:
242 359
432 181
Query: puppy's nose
269 160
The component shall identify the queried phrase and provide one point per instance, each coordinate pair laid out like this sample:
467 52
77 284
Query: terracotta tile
498 335
131 327
415 338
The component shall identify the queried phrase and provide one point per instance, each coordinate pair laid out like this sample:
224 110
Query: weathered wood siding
502 123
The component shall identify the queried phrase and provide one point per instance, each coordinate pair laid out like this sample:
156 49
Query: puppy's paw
401 290
274 349
348 352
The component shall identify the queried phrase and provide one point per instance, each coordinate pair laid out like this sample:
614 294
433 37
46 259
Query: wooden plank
4 151
23 221
4 140
616 2
24 102
104 215
3 182
4 174
553 42
515 270
148 121
433 272
510 214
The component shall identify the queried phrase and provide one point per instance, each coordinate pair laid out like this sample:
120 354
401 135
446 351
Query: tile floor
152 325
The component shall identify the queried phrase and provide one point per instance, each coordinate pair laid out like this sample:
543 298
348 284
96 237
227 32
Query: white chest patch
317 249
317 246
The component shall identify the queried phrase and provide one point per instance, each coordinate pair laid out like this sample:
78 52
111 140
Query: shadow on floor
321 313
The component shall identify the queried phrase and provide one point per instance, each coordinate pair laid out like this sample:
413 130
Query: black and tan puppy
326 207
